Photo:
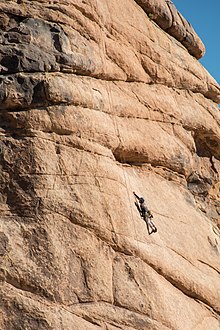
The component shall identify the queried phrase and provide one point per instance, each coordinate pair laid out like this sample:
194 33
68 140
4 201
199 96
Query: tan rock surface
165 14
97 101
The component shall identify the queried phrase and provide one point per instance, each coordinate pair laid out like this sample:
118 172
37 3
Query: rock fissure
170 279
136 311
210 266
186 291
33 289
179 254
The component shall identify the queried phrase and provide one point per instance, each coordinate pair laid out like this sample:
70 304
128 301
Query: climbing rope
127 182
117 133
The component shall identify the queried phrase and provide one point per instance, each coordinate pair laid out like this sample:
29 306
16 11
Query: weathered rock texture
165 14
98 101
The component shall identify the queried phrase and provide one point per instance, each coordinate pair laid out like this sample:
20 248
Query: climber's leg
151 226
147 223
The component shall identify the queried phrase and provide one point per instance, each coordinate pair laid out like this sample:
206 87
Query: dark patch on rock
39 95
11 62
57 43
3 244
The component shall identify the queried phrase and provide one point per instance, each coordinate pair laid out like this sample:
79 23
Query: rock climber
145 214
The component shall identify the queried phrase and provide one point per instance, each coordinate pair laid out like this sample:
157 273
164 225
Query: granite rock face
98 99
165 14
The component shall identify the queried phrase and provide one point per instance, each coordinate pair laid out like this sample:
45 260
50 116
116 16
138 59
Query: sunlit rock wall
98 101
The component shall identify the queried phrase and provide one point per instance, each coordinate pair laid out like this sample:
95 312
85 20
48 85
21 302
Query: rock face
98 100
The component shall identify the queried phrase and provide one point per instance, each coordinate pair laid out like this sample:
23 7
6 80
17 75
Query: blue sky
204 17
